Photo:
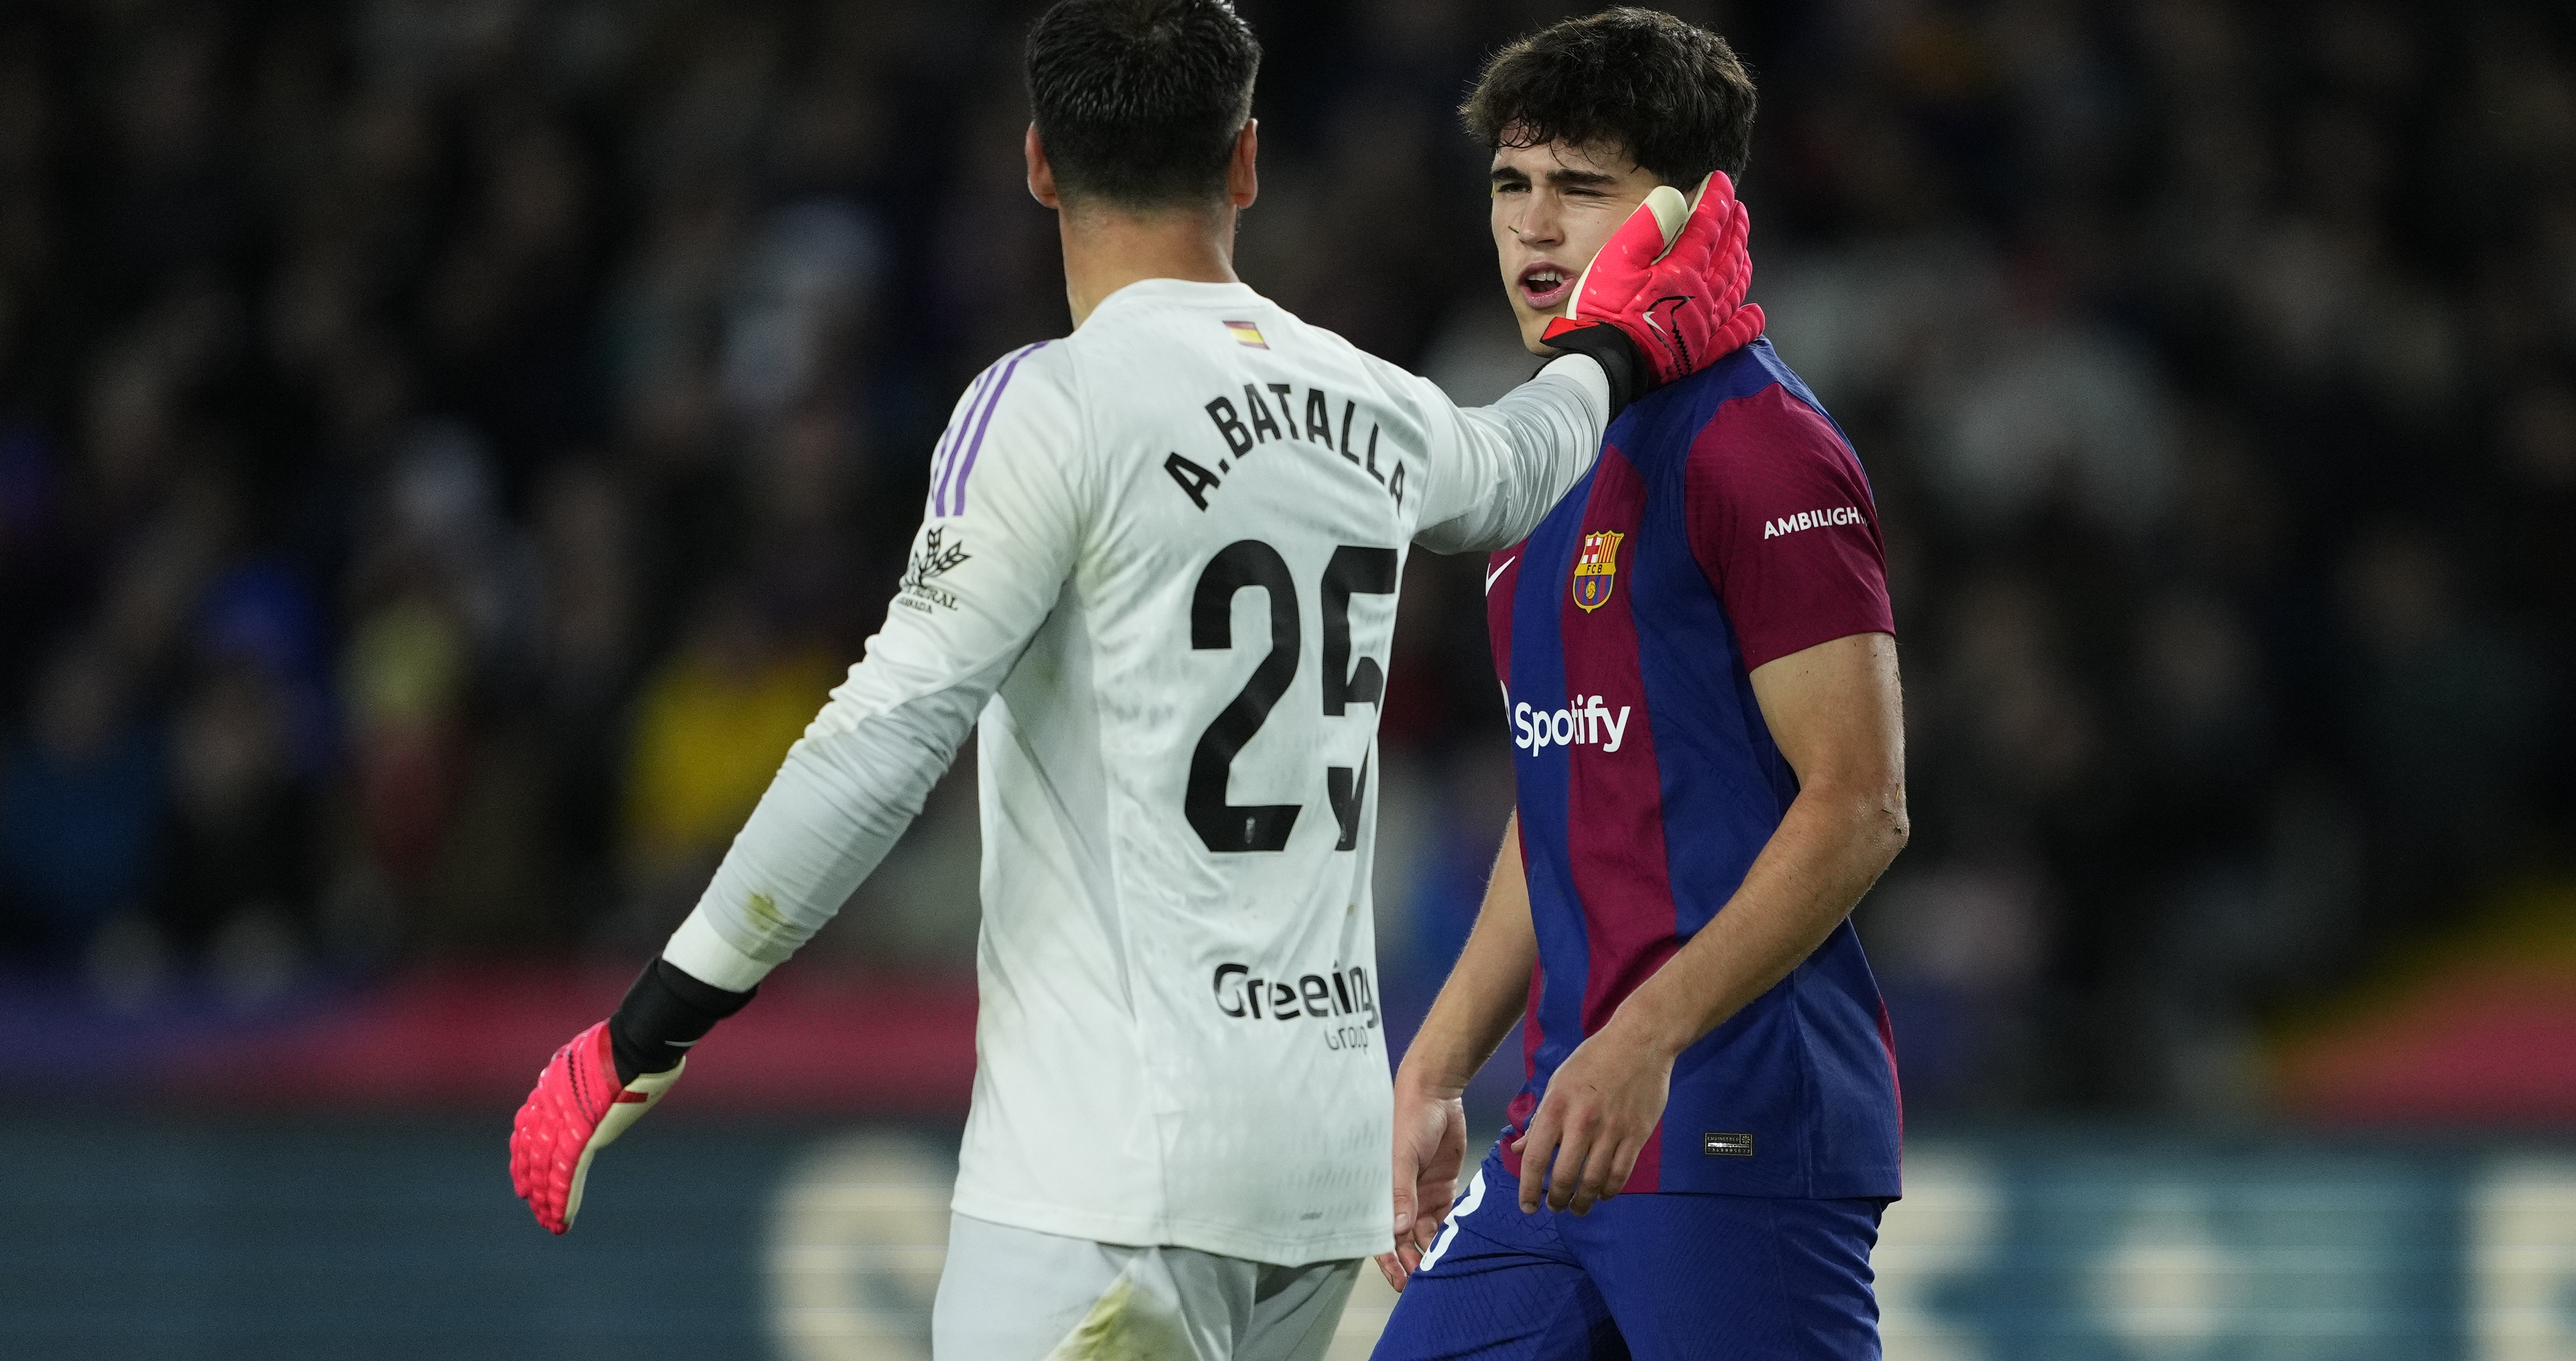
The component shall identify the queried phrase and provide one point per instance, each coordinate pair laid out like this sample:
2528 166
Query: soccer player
1159 566
1700 681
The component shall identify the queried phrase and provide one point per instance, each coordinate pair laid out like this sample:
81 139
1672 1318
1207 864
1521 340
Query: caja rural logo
1596 569
934 559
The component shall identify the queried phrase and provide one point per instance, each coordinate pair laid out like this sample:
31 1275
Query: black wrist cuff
663 1014
1617 355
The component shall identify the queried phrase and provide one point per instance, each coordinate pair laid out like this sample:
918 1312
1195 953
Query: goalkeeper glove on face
578 1108
1665 296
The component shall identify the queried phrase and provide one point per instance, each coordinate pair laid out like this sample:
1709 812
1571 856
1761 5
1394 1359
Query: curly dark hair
1672 95
1138 101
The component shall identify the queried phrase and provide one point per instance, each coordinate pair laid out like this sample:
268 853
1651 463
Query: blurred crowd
449 447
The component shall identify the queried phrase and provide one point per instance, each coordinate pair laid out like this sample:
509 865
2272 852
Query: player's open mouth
1545 287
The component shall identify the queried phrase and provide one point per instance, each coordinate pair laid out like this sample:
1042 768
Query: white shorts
1019 1295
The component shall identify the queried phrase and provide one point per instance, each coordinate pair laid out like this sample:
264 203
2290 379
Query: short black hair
1138 101
1672 95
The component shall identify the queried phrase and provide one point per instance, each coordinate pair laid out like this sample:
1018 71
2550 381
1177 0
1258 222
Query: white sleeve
1006 514
1497 470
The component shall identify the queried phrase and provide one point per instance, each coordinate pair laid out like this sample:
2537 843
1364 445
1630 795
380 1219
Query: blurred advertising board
220 1237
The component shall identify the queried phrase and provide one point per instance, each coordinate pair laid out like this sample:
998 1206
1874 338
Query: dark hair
1670 94
1139 101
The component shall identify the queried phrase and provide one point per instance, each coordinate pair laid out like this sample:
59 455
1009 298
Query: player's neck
1105 250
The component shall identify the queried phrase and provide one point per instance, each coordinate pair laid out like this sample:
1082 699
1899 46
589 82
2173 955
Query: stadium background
447 449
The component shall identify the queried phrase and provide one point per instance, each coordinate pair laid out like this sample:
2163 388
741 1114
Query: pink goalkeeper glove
1671 281
577 1109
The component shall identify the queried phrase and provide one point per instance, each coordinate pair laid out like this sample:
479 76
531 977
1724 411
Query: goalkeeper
1165 553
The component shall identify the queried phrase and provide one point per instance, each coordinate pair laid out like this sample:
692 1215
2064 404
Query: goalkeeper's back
1160 561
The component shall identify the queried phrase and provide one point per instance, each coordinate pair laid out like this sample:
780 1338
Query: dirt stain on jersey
763 911
1126 1325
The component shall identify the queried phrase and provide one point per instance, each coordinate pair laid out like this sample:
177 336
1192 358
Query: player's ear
1242 179
1041 174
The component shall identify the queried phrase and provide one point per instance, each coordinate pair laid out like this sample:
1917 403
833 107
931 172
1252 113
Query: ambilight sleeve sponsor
1812 519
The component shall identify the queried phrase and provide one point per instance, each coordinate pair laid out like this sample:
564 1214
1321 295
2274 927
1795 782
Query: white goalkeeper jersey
1160 566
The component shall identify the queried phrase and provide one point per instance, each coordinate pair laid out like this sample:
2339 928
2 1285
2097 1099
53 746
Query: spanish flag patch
1245 333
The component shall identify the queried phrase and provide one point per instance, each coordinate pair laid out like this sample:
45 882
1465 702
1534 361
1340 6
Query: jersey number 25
1244 563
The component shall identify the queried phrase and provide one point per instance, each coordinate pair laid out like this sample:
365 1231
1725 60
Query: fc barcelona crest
1596 569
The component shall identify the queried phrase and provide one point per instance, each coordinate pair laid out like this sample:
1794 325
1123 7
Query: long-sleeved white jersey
1160 564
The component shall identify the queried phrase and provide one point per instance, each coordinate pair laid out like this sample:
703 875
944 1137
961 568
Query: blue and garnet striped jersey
1726 524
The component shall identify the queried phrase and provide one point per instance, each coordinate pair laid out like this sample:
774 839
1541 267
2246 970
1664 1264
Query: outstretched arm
1504 466
1662 300
1837 715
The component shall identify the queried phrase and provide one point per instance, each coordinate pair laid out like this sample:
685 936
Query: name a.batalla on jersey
1273 411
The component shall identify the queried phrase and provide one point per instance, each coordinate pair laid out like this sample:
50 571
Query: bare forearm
1486 990
1829 849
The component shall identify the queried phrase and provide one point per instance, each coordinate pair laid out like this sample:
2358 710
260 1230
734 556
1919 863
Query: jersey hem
1147 1231
1882 1183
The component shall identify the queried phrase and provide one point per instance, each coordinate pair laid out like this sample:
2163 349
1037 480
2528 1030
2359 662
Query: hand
578 1108
1430 1148
1671 283
1601 1108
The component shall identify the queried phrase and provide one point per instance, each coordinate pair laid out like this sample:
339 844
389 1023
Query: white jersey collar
1181 292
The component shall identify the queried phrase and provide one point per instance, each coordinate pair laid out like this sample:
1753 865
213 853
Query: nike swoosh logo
1497 574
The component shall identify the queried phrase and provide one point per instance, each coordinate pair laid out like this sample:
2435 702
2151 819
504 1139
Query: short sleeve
1781 520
